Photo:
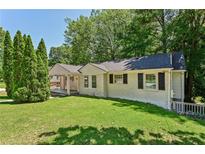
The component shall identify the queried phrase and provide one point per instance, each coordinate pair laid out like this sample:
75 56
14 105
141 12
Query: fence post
183 108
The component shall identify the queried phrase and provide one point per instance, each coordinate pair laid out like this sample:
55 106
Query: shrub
21 95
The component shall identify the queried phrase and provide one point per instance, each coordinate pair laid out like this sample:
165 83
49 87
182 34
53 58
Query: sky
46 24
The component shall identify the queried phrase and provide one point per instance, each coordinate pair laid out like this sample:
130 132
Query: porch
64 79
64 85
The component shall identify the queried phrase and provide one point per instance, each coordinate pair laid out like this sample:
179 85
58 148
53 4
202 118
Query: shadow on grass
4 97
12 102
79 135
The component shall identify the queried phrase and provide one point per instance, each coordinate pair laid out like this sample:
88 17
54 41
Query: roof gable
178 61
71 68
91 68
57 69
62 69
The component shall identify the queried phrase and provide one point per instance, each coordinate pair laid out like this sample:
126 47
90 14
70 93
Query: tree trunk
189 87
164 36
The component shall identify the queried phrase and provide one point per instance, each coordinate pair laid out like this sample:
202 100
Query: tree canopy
117 34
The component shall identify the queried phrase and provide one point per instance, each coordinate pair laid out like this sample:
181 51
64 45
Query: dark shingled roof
173 60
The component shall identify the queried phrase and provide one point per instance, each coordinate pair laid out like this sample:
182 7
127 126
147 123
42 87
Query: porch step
74 92
58 92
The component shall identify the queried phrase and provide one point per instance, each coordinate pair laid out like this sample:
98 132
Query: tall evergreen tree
8 64
42 52
18 44
2 36
42 72
29 75
24 38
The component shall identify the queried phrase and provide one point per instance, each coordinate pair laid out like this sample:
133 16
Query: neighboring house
157 79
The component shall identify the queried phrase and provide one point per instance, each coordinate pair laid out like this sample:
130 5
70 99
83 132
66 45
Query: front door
74 83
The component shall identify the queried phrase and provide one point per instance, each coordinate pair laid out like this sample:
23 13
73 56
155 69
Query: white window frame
120 79
86 76
145 81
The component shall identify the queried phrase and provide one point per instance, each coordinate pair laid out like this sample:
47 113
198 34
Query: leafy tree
162 20
42 72
188 36
2 36
109 27
138 39
18 44
148 32
8 64
78 36
61 54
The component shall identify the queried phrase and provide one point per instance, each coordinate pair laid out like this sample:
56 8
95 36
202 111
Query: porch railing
189 108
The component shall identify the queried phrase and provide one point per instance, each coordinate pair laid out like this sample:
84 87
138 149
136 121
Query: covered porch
64 81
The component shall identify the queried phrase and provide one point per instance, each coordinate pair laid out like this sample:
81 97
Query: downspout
107 82
169 89
182 88
170 85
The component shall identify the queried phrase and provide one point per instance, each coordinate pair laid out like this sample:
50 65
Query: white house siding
131 91
178 85
101 85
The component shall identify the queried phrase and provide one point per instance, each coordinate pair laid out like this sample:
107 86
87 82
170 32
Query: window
94 84
161 79
125 79
86 82
140 80
118 79
111 78
150 82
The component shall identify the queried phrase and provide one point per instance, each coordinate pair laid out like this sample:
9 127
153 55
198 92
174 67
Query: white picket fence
189 108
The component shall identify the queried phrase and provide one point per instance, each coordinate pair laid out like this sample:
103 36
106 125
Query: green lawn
87 120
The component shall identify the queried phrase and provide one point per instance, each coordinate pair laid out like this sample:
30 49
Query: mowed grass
90 120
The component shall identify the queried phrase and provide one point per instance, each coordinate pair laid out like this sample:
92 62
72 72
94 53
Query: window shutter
140 80
124 78
111 78
161 81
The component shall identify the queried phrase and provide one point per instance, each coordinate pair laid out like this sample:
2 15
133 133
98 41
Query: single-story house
156 79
